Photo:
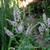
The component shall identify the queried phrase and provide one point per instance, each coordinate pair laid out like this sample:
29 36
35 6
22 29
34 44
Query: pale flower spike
48 21
29 30
9 33
16 14
20 28
44 18
12 22
41 30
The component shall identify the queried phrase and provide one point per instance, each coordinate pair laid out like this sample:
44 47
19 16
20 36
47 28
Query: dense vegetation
24 28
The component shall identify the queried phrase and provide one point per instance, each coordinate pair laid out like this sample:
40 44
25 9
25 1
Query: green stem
9 43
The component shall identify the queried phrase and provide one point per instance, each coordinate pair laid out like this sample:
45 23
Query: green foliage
20 41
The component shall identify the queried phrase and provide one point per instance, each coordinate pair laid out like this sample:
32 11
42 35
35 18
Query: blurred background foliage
6 9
